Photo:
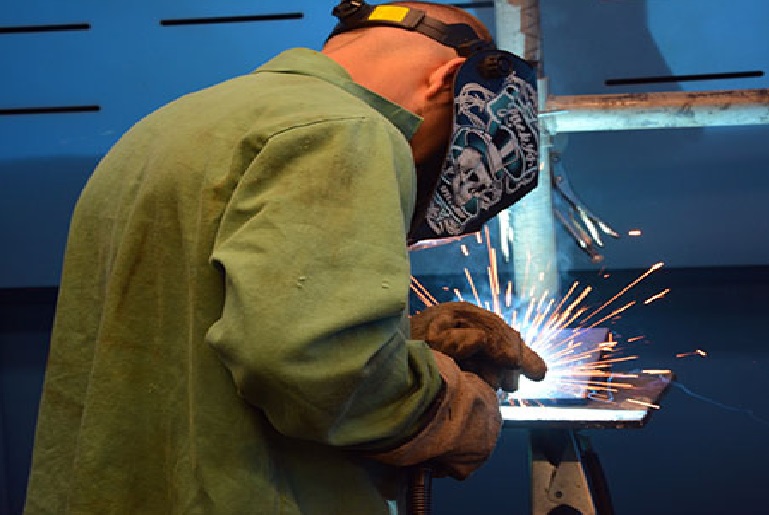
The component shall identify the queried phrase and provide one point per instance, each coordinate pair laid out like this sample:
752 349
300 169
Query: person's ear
442 77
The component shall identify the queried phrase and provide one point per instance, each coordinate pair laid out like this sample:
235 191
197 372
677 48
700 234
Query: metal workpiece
673 109
631 406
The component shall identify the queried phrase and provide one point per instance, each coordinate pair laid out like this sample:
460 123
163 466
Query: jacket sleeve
312 249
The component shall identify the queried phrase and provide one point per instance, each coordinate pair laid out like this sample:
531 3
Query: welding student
231 330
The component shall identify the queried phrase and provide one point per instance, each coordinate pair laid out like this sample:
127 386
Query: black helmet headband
355 14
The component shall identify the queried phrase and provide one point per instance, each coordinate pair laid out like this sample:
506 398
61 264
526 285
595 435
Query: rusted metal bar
661 110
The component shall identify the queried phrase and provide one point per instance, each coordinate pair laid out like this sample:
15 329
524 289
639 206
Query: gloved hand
479 341
462 428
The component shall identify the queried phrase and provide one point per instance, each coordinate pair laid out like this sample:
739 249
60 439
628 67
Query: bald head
390 59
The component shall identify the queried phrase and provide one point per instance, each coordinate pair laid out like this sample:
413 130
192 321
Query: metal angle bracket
566 478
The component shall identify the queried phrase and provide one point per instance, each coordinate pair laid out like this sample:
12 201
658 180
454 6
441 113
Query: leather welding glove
461 430
479 341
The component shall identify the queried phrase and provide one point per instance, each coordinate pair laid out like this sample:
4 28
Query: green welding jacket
231 330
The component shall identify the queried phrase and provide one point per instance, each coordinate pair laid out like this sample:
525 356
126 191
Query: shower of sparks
658 296
422 293
643 403
556 329
698 352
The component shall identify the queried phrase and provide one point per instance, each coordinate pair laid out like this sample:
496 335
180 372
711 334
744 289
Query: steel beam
633 111
529 224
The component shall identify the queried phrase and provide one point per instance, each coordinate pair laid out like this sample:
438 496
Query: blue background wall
700 196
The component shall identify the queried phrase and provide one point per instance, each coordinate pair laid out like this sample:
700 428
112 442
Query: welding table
566 476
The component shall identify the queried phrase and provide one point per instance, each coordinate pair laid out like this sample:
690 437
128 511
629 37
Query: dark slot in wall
752 74
231 19
14 111
55 27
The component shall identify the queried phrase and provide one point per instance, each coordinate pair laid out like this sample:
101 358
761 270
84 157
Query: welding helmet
492 155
